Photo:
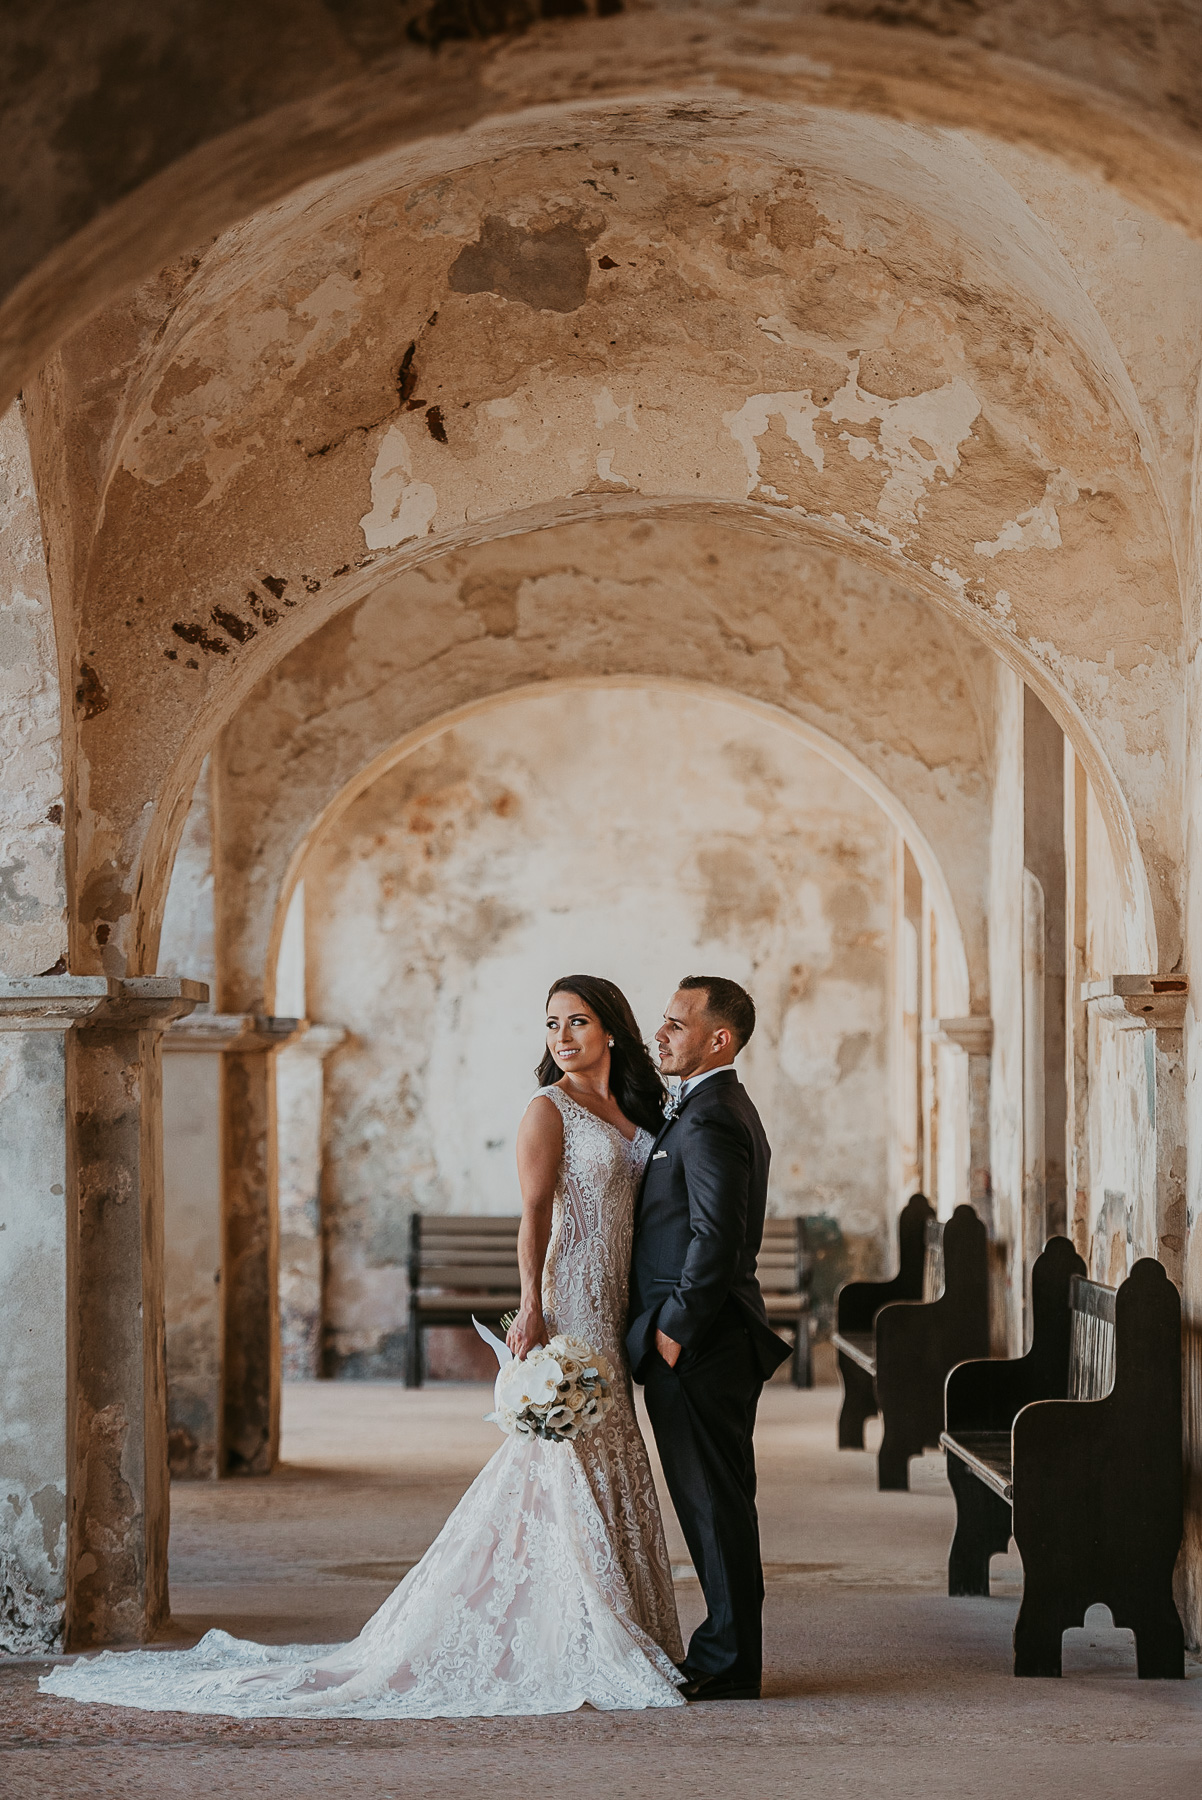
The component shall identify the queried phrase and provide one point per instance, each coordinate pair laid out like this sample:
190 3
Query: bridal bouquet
560 1390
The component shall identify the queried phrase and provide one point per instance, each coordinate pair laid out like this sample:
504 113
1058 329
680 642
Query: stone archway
850 235
202 121
1038 507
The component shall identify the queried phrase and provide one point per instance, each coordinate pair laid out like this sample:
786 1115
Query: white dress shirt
686 1087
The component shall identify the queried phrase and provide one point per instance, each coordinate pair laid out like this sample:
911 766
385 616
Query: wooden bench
785 1271
1075 1450
897 1340
458 1265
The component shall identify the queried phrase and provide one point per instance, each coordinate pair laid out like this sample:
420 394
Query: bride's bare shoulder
543 1117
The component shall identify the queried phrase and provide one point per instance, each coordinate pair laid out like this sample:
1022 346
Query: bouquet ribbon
501 1351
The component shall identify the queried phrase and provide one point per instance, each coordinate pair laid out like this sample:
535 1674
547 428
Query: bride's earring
611 1043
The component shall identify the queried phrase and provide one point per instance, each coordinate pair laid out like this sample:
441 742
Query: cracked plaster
443 900
825 641
791 269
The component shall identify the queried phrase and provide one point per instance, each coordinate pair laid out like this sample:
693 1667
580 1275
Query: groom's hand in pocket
668 1348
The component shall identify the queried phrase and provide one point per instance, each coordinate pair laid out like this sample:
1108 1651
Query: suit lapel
668 1123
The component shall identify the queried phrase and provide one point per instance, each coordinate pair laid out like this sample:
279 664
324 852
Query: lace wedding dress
547 1589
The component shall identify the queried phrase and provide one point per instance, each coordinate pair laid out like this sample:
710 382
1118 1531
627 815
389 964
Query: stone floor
876 1682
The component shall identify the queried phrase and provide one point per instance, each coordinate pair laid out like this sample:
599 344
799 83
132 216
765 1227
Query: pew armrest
987 1394
860 1301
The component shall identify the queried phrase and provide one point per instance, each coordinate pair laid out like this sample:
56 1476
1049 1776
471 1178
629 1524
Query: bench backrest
1091 1347
454 1250
779 1265
932 1260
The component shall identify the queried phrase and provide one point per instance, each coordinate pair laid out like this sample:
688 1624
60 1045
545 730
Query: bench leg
893 1462
803 1356
982 1531
413 1353
1038 1634
859 1403
1159 1641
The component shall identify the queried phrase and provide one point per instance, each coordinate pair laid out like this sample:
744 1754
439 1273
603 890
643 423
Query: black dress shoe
718 1687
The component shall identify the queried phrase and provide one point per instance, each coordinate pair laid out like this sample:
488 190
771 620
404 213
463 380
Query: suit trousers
703 1416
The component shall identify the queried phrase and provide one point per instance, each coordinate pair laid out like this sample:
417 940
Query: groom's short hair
726 1003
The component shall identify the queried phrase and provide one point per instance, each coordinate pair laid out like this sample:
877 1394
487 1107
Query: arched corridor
489 488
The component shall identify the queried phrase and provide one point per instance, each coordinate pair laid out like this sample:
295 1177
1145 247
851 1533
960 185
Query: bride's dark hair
634 1080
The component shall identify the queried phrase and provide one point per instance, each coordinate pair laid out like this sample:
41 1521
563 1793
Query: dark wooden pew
1075 1450
459 1265
897 1340
857 1305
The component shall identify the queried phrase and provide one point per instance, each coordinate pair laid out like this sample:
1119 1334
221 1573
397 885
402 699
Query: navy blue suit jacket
698 1225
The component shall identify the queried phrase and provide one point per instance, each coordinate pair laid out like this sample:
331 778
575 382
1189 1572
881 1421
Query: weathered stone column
118 1511
83 1533
1157 1003
974 1036
193 1172
250 1250
35 1259
300 1092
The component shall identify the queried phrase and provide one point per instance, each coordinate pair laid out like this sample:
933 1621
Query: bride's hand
527 1331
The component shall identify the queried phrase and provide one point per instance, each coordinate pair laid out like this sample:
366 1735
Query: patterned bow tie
672 1106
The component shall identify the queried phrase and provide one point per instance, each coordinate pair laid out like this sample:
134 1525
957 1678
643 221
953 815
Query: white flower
533 1382
558 1391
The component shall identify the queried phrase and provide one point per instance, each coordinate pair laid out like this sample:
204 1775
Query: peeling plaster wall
217 111
34 1228
193 1106
1005 965
192 1170
1122 1087
33 896
34 1212
187 944
641 834
850 326
835 646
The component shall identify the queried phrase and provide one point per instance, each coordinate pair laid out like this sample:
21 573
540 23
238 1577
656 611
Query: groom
699 1338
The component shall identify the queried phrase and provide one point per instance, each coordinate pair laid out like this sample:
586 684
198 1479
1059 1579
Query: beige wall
635 833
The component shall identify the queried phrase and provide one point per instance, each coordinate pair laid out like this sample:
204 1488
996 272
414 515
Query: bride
549 1587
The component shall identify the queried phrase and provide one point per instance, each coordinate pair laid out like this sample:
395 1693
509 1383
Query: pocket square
658 1154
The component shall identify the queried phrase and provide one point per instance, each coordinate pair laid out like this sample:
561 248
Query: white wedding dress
547 1589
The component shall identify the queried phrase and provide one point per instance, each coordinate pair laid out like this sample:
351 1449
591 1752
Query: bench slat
487 1275
453 1224
455 1257
860 1346
988 1454
1091 1346
1092 1297
783 1306
495 1300
467 1249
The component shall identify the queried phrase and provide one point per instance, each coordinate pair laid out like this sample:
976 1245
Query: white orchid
532 1382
